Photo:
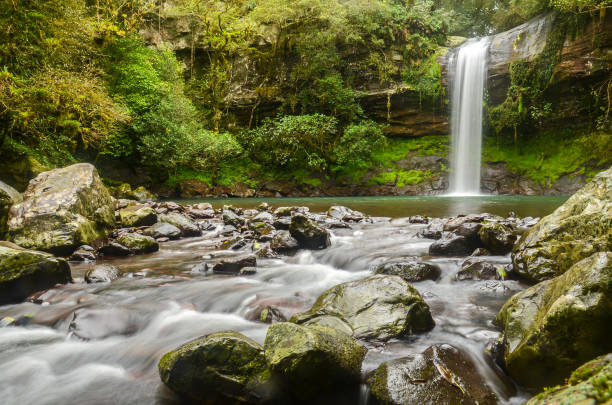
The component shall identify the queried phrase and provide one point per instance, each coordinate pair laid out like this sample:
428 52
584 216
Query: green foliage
424 76
401 177
358 143
331 96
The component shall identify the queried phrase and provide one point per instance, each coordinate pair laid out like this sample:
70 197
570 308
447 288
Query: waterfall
468 70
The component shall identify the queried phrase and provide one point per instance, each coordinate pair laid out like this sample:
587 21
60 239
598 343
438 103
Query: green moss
547 156
401 178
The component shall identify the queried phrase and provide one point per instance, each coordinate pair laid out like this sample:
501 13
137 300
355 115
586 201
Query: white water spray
469 68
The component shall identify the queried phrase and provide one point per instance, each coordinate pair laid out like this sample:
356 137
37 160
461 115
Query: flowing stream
469 70
100 343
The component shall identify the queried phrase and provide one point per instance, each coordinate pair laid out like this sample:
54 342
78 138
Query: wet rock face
451 245
410 270
580 227
497 238
187 226
313 359
308 234
224 367
61 210
102 273
442 374
24 272
591 383
556 325
378 307
137 215
8 197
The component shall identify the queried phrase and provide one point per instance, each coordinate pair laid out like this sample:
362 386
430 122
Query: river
100 344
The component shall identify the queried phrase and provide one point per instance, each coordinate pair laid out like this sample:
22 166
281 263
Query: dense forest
256 91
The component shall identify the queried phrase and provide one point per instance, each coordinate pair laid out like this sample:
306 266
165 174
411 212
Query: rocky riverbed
229 305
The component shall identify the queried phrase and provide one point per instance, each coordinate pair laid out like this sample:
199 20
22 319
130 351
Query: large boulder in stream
442 374
8 197
577 229
556 325
220 368
313 359
590 384
24 272
61 210
497 238
378 307
308 234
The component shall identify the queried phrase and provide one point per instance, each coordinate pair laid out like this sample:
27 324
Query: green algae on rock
308 234
589 384
312 359
138 243
497 238
137 215
221 368
24 272
556 325
580 227
442 374
61 210
378 307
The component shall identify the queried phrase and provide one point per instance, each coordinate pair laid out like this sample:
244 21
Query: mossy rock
24 272
137 215
8 197
138 243
410 270
580 227
308 234
442 374
590 384
556 325
497 238
61 210
378 307
187 226
312 359
221 368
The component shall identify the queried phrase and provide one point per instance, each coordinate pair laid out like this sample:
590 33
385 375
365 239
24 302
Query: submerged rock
62 209
577 229
556 325
137 215
102 273
308 234
24 272
590 384
442 374
187 226
220 368
378 307
138 243
410 270
313 359
8 197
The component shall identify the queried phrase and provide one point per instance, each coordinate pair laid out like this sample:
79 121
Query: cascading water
469 69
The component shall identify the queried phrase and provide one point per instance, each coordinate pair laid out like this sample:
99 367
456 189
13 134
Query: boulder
142 194
187 226
590 384
234 266
137 215
163 230
497 238
442 374
24 272
284 243
61 210
231 218
558 324
308 234
345 214
224 367
114 249
8 197
451 245
138 243
102 273
577 229
410 270
475 268
312 359
379 307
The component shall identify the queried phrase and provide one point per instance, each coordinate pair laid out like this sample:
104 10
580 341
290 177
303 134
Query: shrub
358 142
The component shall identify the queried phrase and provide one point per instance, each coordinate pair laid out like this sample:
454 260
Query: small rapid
98 344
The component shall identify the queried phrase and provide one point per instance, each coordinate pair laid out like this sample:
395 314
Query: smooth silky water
110 353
